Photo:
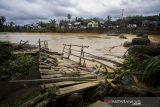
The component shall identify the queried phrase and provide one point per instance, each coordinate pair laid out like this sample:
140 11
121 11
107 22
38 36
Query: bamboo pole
84 61
39 42
98 57
93 60
77 45
69 53
63 48
80 58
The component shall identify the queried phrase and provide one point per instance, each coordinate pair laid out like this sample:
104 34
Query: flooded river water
99 44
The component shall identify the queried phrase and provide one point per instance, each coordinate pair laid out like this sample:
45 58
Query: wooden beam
77 45
35 100
54 79
98 57
51 76
60 84
93 60
79 87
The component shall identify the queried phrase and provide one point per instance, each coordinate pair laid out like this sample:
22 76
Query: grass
13 66
149 67
16 67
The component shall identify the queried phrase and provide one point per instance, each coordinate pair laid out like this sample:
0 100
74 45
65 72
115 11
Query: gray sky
31 11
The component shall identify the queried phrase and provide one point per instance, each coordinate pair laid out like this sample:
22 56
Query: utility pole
122 13
122 24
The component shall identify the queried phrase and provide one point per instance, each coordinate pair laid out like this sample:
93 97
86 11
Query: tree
108 19
2 21
76 19
69 17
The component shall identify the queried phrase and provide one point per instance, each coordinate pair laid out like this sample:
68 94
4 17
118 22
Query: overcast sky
31 11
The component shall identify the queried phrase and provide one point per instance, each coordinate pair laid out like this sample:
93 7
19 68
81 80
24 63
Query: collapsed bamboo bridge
63 75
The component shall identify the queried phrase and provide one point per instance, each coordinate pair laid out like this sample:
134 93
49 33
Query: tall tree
108 19
69 17
2 21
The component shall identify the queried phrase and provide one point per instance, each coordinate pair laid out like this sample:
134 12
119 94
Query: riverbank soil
12 94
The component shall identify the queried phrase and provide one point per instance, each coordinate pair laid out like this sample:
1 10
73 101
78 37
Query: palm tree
2 20
69 17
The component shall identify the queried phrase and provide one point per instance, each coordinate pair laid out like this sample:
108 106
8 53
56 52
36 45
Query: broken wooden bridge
63 75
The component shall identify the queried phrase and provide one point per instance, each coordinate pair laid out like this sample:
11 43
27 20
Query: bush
5 51
131 64
144 50
151 74
150 69
140 41
17 67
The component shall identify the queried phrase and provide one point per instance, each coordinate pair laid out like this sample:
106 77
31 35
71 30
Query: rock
74 100
127 44
139 34
122 37
144 50
127 80
140 41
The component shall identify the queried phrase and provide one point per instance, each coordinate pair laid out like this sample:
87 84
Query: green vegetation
13 66
16 67
130 24
151 73
5 51
149 67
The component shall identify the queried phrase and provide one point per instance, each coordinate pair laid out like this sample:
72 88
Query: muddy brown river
99 44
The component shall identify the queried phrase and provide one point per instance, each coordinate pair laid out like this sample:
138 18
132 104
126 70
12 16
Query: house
92 24
132 25
147 23
77 24
69 25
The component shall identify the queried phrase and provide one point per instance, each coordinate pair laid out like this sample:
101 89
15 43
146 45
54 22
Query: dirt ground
13 94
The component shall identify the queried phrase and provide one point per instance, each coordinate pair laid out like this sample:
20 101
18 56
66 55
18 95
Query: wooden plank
47 55
54 79
63 75
52 71
47 64
51 76
49 72
25 52
60 84
34 101
71 89
45 67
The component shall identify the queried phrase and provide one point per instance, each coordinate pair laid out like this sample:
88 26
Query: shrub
151 74
17 67
150 69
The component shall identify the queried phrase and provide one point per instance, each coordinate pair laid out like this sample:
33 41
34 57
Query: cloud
28 11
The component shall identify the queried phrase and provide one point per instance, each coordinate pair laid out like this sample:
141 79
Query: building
92 24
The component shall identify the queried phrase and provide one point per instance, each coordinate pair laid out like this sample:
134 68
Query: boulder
144 50
143 35
140 41
122 37
127 44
